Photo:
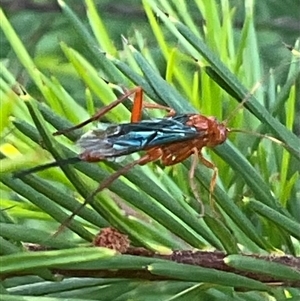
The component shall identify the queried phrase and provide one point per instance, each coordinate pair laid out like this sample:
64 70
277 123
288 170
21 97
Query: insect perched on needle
171 139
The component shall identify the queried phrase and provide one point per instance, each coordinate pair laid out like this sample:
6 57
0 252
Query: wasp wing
127 138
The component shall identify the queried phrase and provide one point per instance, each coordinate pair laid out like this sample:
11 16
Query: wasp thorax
211 131
217 132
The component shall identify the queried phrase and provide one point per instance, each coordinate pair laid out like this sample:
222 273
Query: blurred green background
41 26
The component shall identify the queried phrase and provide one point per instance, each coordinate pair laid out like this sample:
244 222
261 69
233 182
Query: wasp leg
195 161
212 184
151 156
100 113
136 112
171 112
139 104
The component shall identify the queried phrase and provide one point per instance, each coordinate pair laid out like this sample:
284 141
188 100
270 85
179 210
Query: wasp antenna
259 83
99 50
246 98
58 163
294 51
124 40
273 139
288 46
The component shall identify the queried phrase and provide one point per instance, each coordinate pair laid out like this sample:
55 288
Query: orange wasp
171 139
